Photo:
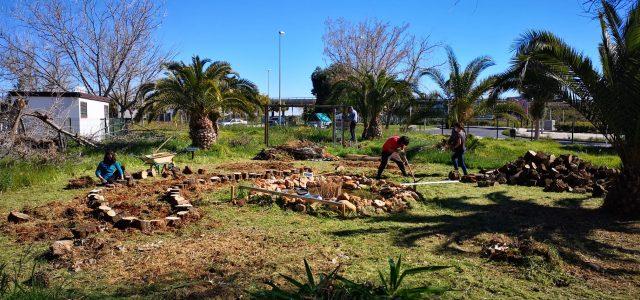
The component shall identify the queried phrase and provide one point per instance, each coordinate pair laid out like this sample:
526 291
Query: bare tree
371 47
106 47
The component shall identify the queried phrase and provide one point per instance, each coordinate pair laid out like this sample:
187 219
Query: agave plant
335 286
311 289
392 285
464 90
202 90
609 96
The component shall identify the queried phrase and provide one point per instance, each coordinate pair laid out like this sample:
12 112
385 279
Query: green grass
247 245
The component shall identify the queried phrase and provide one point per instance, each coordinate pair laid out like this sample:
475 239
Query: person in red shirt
393 145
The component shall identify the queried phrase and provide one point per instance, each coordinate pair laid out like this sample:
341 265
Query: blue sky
245 32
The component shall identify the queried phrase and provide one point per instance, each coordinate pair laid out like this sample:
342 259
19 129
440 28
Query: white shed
82 113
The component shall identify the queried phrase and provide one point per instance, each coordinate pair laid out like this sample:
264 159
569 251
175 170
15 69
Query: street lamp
280 34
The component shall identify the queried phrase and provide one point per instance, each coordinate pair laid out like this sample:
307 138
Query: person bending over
109 170
391 149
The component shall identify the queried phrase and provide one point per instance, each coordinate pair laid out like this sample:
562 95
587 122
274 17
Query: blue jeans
458 160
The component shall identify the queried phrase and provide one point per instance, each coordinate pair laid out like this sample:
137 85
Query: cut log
348 206
181 207
18 217
140 175
178 200
172 221
61 248
187 170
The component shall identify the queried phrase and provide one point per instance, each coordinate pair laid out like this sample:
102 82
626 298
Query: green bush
580 127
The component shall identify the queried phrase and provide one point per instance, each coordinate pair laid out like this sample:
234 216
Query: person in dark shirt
352 117
458 144
109 170
391 150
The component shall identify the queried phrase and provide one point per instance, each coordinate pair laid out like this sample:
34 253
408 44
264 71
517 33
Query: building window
106 111
83 110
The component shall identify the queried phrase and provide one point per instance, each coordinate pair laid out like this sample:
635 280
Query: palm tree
608 97
203 93
464 89
370 94
530 78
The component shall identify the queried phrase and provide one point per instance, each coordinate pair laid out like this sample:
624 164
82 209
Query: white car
233 122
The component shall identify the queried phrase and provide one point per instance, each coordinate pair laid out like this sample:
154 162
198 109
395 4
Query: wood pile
357 194
296 150
565 173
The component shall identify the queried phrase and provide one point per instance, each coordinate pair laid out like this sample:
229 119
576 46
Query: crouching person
391 150
109 170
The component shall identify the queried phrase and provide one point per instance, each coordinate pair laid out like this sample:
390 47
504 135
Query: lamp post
280 34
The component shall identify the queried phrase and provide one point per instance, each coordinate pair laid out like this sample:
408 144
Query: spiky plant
202 90
464 90
608 96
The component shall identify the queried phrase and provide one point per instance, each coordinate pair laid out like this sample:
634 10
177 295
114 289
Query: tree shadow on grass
570 229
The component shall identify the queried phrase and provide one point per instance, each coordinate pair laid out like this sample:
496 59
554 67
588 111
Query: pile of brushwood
566 172
295 150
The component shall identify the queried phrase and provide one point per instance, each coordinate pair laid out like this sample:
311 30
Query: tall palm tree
202 90
609 97
530 78
370 94
464 89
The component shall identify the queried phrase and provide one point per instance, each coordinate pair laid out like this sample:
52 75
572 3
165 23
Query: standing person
458 144
352 117
391 150
109 169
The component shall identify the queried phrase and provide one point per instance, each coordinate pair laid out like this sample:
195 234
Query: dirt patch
81 182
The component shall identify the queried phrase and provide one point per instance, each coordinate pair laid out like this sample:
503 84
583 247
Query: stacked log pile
296 150
565 173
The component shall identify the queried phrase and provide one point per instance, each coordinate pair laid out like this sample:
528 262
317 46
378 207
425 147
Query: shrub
580 127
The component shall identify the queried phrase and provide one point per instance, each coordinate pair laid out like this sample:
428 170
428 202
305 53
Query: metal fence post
333 125
344 143
266 125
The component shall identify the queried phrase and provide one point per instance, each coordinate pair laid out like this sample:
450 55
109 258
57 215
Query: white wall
66 113
93 125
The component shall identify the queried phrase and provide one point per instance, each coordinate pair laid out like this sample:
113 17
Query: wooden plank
430 182
289 195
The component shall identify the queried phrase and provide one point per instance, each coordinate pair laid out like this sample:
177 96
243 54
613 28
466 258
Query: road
474 130
490 132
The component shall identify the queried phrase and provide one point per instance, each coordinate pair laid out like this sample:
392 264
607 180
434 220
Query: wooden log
18 217
172 221
139 175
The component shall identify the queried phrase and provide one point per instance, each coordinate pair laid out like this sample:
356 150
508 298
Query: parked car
233 122
319 120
